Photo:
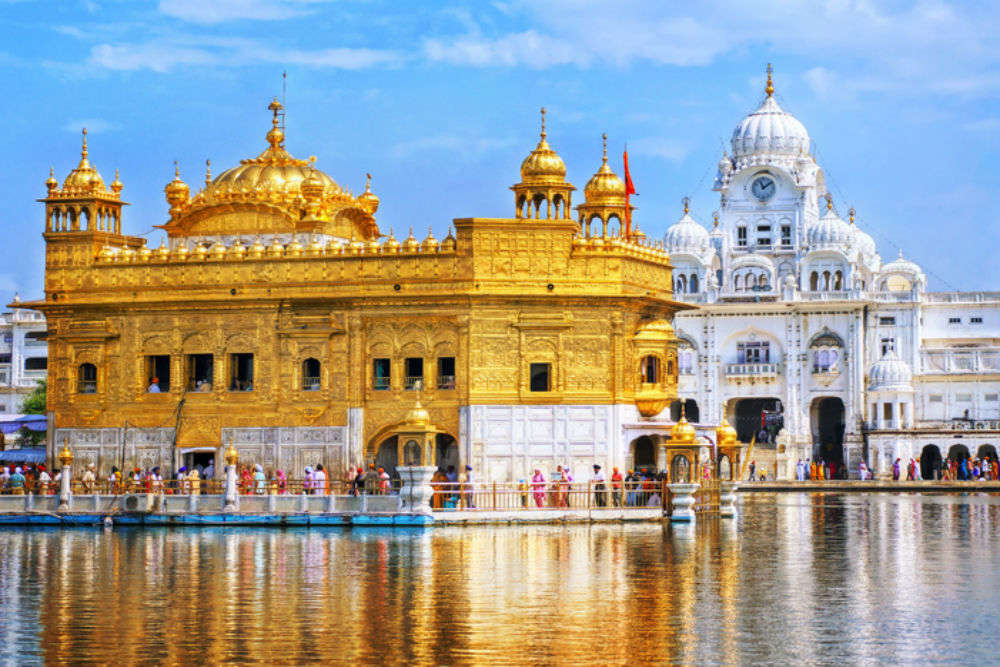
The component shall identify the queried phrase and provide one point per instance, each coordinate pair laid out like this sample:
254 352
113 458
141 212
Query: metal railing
753 369
506 496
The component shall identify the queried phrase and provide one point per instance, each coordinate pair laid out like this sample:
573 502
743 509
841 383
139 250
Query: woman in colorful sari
439 478
282 480
538 487
895 470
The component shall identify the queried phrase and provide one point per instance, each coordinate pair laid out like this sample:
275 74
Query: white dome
900 265
770 130
863 242
828 231
890 373
686 236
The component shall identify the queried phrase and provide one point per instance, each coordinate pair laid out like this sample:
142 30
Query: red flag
629 190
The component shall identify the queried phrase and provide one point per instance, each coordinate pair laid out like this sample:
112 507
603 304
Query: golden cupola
725 434
83 202
84 178
275 193
367 198
176 191
683 432
604 197
543 191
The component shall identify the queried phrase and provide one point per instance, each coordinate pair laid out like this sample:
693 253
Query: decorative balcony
752 372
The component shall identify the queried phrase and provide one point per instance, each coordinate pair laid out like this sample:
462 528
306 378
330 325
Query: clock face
763 188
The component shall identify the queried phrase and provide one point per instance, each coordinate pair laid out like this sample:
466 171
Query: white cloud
164 55
220 11
93 125
983 125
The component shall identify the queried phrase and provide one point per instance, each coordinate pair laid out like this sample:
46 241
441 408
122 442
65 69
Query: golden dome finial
769 89
687 204
604 147
276 136
829 201
208 171
116 185
52 183
177 170
543 124
850 214
715 220
83 151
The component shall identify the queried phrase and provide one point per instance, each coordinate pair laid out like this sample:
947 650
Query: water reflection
802 578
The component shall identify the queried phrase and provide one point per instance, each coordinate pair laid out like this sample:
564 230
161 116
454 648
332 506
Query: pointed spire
177 170
769 89
83 152
543 124
850 214
604 142
829 201
715 220
687 204
208 171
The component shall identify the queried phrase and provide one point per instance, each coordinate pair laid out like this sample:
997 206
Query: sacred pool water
798 578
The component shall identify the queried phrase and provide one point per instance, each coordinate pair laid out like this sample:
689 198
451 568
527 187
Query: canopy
14 423
28 455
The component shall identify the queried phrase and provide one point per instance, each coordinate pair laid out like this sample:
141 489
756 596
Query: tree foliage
34 403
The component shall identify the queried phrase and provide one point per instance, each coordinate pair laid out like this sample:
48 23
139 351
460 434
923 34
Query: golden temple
276 314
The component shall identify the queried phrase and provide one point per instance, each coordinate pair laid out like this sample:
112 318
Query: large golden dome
273 171
604 187
274 193
543 165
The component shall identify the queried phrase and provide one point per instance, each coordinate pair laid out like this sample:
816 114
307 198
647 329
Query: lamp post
65 490
231 498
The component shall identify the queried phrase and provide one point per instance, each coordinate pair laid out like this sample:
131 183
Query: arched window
813 281
826 281
86 379
650 370
838 281
693 284
310 375
682 283
762 281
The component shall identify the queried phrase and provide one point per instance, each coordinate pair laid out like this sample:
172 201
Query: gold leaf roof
604 187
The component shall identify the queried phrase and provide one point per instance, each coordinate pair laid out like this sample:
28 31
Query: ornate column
231 499
65 489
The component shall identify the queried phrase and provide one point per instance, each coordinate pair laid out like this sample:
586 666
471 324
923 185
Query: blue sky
439 101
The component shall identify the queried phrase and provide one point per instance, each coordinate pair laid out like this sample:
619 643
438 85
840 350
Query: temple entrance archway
446 451
751 415
930 462
827 416
987 452
644 453
958 453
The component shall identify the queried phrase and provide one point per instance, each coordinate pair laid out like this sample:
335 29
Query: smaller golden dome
682 433
144 253
430 243
418 415
217 252
237 250
84 178
312 188
127 255
604 187
294 249
334 247
275 249
368 199
315 248
180 252
373 247
391 245
177 191
725 435
411 244
117 185
162 253
449 243
543 165
257 249
51 183
199 252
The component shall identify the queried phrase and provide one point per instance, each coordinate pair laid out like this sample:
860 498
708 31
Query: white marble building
23 356
800 315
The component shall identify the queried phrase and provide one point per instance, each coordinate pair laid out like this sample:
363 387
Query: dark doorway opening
930 462
445 451
643 453
691 411
387 456
753 415
829 431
